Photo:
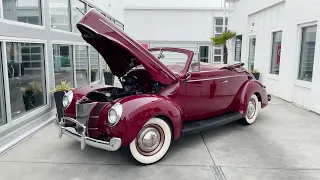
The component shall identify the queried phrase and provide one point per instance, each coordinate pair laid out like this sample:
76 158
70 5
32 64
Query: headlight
67 98
115 114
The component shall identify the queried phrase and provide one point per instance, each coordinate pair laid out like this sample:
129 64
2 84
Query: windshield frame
178 50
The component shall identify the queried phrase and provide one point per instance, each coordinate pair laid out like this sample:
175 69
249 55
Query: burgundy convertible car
164 95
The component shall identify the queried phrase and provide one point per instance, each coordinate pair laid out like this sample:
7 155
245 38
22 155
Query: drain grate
218 173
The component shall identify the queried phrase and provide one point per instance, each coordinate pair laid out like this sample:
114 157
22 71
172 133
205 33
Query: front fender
138 109
248 89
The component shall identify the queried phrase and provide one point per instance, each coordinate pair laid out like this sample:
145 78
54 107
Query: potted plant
58 92
93 75
32 96
222 41
108 76
256 73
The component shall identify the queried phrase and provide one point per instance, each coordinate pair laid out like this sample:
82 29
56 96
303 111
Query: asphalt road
283 144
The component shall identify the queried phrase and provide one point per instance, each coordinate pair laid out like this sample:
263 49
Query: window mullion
6 84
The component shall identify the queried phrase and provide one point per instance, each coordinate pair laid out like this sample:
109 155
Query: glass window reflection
27 11
94 64
81 57
26 74
62 60
78 10
60 14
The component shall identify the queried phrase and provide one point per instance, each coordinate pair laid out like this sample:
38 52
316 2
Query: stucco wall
287 16
169 25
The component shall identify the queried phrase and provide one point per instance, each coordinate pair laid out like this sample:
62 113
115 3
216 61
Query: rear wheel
152 142
252 111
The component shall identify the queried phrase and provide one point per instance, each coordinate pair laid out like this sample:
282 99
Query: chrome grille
83 111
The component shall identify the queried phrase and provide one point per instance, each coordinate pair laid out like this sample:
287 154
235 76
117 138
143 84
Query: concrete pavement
283 144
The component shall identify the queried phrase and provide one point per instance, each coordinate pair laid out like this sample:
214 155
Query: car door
206 95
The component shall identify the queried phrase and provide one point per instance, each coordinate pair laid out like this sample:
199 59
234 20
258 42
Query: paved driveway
283 144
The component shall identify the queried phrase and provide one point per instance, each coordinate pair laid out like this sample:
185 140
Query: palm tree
222 41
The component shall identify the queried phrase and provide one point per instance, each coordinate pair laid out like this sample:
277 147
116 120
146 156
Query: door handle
225 81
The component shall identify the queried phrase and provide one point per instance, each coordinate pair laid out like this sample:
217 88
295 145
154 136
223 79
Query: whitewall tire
252 110
152 142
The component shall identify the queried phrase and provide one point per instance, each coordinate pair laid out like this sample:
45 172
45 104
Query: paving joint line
217 171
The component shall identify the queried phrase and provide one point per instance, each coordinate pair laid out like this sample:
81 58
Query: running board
201 125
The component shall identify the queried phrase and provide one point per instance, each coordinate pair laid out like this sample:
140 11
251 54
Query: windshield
175 61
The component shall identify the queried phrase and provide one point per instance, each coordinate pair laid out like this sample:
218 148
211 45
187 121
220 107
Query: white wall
169 25
113 7
174 3
285 16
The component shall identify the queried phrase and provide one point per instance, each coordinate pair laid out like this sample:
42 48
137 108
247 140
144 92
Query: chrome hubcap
251 108
150 140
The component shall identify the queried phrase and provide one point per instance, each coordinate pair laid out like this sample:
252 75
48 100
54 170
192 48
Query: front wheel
152 142
252 111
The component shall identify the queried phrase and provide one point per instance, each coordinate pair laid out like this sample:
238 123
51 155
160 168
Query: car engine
136 82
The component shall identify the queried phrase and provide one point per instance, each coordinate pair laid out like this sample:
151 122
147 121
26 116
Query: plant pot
58 96
256 75
93 76
32 100
108 78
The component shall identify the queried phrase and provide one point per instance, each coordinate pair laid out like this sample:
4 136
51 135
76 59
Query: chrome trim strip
195 80
112 145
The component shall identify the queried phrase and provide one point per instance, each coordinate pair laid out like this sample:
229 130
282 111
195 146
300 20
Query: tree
222 41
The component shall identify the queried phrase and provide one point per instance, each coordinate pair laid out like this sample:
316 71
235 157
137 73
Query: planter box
256 75
58 96
93 76
108 78
32 100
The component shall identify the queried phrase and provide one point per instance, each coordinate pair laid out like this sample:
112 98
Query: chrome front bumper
113 145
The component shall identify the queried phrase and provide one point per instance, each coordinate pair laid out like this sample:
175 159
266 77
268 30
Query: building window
60 14
2 111
62 60
204 53
238 48
94 64
27 11
276 52
78 10
26 72
308 43
81 57
218 23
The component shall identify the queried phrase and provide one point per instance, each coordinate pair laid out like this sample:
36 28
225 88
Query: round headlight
67 98
114 114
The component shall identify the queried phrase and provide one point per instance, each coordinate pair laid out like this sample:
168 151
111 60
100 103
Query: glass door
252 48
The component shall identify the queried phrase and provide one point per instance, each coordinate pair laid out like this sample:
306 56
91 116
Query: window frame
216 34
32 113
2 95
271 51
17 23
71 14
298 82
235 47
199 47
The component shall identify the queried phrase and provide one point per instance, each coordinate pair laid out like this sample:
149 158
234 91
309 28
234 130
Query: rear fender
248 89
138 109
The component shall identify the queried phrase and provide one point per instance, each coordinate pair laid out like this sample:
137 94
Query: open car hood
120 52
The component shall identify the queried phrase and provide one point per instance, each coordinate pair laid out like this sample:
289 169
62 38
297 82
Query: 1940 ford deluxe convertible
165 94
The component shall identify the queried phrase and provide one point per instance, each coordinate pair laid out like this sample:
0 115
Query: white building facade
40 47
281 39
182 24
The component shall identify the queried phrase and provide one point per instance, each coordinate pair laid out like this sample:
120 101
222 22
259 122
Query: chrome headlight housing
67 98
114 114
